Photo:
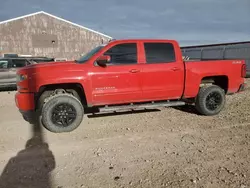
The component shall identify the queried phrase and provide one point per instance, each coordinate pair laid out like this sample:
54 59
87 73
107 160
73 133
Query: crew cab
125 75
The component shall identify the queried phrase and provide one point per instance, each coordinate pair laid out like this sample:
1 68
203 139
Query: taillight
243 71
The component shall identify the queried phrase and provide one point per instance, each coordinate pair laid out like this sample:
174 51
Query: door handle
175 69
134 71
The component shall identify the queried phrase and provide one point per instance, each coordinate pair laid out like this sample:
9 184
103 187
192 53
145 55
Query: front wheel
210 100
62 113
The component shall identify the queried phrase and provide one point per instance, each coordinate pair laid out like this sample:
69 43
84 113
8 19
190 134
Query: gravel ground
170 147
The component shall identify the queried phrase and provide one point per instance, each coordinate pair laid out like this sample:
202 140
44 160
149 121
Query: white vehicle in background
9 66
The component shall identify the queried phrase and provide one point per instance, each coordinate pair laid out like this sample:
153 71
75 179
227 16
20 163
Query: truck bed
198 70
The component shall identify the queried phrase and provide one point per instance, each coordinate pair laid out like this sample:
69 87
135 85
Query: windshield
88 55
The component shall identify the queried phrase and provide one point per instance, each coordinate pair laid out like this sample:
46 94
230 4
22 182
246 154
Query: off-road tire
200 102
54 100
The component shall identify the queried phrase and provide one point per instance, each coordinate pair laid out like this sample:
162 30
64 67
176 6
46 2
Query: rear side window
123 53
159 52
17 63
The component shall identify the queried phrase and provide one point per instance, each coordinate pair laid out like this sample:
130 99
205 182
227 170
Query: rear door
119 81
4 72
163 74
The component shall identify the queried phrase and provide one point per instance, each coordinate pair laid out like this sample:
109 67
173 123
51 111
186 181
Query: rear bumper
248 74
242 87
25 101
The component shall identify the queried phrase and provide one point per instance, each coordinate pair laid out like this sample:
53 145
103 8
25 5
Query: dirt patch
173 147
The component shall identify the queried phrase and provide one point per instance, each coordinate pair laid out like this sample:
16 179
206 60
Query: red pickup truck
125 75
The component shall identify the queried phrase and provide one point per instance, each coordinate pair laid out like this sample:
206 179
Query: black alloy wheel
63 114
210 100
213 100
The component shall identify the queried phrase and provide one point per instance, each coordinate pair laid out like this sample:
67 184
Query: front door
119 81
162 75
15 64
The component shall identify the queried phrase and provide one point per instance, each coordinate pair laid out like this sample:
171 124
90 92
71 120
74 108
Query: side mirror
103 60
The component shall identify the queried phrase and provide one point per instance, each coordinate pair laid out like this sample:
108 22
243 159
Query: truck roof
142 39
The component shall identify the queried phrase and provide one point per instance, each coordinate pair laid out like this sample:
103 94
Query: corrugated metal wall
229 51
43 35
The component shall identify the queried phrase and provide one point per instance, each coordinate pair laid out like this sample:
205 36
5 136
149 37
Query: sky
189 22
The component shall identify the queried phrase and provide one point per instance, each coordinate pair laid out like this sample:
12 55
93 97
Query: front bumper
29 116
25 101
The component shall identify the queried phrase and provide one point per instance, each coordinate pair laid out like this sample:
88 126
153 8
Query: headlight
21 77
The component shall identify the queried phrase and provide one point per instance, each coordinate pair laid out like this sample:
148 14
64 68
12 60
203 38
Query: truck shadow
93 114
31 166
8 89
187 109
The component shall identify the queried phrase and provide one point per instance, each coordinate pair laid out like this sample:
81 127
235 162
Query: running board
140 106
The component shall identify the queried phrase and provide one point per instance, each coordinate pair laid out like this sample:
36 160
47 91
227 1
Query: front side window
123 53
3 64
159 52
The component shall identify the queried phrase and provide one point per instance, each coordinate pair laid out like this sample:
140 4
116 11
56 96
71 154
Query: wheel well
75 89
221 81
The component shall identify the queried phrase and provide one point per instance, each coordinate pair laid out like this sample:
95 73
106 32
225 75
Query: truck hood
51 64
47 66
36 75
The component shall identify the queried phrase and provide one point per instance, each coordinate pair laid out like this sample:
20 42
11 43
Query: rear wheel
62 113
210 100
